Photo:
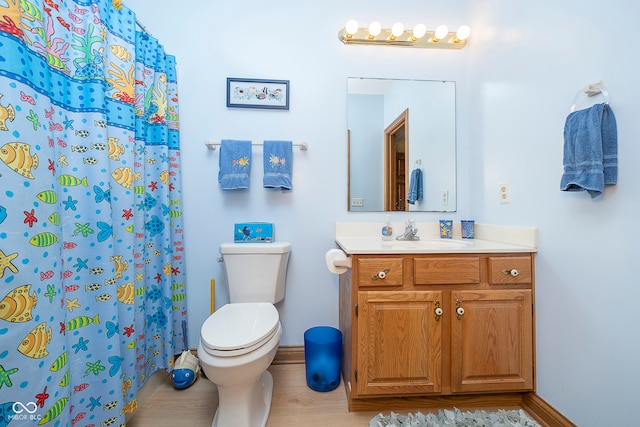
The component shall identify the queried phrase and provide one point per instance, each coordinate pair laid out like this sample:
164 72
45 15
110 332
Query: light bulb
441 32
463 32
352 27
374 29
419 31
397 29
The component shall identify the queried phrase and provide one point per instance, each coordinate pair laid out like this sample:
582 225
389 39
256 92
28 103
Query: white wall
514 83
279 40
530 61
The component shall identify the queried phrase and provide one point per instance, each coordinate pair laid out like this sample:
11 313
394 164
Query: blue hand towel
590 150
278 164
235 164
415 186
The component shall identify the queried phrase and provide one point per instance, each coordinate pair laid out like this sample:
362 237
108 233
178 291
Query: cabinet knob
459 309
438 311
380 274
513 272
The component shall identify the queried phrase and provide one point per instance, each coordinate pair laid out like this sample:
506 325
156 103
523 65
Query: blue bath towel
278 164
590 150
415 186
235 164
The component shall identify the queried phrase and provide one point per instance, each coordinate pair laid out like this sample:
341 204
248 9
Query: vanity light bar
440 38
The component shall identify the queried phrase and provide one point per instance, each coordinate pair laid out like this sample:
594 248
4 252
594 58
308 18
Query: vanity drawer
505 270
380 271
446 270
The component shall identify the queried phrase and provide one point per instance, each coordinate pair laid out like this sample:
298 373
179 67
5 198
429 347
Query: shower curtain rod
117 4
143 28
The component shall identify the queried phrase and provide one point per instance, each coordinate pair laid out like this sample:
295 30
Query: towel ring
590 90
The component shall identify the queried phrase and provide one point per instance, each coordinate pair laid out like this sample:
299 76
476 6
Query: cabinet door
399 343
491 340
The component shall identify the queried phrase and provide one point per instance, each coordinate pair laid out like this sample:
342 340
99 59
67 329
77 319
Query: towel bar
213 144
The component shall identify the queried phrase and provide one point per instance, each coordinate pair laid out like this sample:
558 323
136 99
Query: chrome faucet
410 231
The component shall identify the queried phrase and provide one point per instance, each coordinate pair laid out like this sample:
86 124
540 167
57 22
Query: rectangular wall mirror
394 127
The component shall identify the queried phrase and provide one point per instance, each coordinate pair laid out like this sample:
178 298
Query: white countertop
364 238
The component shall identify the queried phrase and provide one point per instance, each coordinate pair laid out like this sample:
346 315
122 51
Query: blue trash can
323 357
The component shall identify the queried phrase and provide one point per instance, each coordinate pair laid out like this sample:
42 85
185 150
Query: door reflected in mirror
395 127
396 146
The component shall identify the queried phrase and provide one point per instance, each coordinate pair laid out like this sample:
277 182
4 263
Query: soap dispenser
387 230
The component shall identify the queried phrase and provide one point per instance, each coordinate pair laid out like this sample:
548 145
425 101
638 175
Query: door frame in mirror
394 191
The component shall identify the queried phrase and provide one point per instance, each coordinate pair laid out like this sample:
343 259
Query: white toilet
239 341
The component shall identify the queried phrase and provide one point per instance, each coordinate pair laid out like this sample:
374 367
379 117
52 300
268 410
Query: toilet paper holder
337 261
342 262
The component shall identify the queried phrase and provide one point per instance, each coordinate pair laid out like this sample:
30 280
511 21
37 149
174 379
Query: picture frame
257 93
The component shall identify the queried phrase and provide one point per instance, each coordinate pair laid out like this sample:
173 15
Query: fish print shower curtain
92 297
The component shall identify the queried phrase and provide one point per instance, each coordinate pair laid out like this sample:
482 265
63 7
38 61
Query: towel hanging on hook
416 185
591 90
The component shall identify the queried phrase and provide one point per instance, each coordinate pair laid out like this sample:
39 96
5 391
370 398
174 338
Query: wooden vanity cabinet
437 325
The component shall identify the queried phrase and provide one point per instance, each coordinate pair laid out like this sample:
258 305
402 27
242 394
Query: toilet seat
239 328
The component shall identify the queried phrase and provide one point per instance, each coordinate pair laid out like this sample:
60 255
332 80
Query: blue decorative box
253 232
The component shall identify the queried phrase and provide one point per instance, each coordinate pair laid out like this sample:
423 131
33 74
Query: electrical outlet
445 197
357 202
504 192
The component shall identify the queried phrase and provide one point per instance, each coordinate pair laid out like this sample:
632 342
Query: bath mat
456 418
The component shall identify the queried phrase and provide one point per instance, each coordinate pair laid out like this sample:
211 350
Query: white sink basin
430 244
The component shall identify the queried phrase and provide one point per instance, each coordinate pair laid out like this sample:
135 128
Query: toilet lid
239 326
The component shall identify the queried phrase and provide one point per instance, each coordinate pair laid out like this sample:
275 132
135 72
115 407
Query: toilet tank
256 272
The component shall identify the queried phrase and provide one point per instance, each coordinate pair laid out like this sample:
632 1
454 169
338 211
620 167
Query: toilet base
236 414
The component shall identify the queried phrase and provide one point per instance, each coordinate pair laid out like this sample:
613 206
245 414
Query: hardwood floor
293 404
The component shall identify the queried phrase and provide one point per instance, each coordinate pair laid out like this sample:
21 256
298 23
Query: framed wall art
258 93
